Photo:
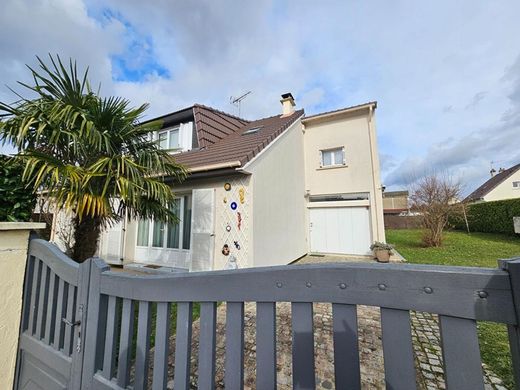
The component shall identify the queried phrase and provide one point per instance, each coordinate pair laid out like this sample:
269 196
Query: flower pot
383 255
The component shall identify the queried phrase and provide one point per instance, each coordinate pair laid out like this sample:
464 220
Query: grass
476 250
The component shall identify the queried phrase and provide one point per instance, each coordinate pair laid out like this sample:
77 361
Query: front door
203 230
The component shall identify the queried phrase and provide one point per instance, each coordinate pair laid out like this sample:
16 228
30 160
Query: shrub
16 201
490 217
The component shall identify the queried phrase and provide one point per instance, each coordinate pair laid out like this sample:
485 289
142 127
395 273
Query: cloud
469 157
427 71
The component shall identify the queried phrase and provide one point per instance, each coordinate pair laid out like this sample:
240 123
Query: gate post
14 242
512 266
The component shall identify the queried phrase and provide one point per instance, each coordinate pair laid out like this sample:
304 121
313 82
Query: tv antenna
237 101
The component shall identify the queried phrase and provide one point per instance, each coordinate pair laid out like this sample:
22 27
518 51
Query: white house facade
263 192
501 186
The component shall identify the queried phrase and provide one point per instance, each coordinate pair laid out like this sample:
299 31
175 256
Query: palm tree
88 155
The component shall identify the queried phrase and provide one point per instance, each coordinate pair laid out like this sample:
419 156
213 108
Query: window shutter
186 135
321 159
344 156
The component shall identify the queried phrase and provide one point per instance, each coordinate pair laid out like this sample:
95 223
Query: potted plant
382 251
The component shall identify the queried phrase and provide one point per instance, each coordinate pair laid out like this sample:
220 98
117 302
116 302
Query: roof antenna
236 101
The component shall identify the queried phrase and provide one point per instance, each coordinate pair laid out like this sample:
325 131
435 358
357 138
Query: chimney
287 104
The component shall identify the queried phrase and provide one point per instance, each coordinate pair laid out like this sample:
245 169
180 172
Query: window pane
338 156
174 230
143 229
174 138
163 140
327 157
158 234
186 221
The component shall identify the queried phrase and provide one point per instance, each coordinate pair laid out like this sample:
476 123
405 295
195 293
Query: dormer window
169 138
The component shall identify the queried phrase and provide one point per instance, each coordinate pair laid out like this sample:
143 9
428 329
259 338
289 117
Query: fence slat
34 295
461 353
42 304
207 339
234 369
397 349
109 360
71 308
51 309
346 348
143 346
183 346
60 314
162 335
303 346
125 343
265 345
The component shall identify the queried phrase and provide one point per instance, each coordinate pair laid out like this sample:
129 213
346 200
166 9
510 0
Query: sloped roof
491 184
213 125
237 146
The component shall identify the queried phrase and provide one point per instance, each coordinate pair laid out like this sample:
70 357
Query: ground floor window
168 236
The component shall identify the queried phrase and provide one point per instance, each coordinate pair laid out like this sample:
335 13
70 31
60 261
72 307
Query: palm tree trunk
86 237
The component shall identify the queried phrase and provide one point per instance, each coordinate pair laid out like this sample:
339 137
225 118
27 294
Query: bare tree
432 197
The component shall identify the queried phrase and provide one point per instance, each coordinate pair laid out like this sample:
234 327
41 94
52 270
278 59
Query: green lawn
478 250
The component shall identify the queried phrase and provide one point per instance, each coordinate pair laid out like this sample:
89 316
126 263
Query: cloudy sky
446 74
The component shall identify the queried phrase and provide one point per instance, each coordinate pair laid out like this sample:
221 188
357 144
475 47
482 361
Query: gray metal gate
55 295
85 327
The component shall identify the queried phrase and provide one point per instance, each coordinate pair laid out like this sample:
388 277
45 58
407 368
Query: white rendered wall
279 224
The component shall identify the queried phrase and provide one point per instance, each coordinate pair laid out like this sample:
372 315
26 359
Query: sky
445 74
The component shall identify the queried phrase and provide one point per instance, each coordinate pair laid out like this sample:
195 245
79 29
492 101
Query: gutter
211 167
333 114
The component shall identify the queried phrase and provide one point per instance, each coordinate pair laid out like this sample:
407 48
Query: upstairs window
332 157
516 185
169 138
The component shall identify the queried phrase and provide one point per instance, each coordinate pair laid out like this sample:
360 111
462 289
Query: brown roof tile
237 146
489 185
213 125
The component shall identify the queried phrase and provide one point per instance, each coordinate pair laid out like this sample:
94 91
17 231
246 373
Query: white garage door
343 230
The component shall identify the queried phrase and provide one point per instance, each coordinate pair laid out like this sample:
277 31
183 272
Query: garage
342 230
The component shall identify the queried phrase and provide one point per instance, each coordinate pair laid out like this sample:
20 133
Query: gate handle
73 324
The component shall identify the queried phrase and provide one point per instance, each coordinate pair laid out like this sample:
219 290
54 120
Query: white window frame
516 185
168 132
182 199
334 163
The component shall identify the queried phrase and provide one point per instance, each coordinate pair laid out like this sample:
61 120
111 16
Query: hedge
16 201
490 217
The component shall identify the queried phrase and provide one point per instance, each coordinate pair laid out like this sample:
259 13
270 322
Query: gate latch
72 324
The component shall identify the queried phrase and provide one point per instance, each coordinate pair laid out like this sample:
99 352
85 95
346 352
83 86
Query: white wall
280 229
505 189
355 131
223 216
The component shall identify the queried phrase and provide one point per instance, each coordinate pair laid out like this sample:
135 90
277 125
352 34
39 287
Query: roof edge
329 114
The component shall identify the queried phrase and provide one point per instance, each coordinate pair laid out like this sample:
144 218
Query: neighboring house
266 191
395 202
503 185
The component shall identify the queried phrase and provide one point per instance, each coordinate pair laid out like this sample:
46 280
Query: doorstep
153 269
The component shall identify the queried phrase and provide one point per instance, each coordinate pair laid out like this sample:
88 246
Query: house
503 185
262 192
395 202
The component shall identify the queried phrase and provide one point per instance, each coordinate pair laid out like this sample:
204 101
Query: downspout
123 239
371 134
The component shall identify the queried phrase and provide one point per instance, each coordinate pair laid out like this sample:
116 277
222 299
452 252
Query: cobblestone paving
428 355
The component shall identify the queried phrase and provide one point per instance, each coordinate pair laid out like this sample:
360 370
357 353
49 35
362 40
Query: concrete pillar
14 240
